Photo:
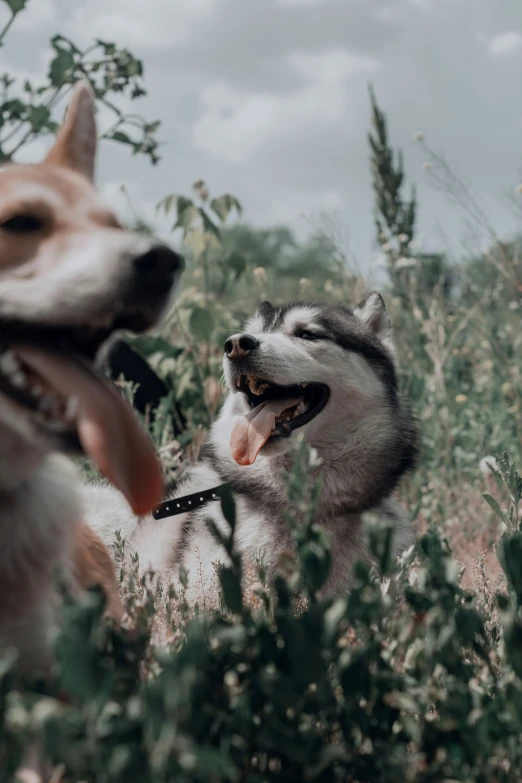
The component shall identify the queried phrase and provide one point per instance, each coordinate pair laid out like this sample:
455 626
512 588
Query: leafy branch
395 216
27 111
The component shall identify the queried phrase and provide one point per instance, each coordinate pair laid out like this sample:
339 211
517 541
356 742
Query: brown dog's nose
158 267
240 345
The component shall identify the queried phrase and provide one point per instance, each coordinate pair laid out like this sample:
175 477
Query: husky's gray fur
365 438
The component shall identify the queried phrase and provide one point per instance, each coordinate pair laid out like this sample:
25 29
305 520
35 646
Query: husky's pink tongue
252 431
108 430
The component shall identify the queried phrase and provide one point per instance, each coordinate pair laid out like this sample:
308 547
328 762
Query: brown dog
70 276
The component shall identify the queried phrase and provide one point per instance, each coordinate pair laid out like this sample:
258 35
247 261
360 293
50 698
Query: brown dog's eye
22 224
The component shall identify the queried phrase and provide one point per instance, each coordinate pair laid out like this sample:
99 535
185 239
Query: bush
401 680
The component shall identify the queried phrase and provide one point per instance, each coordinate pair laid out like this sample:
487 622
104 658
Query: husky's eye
22 224
304 334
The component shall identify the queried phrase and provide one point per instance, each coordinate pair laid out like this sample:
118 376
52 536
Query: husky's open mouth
76 409
276 412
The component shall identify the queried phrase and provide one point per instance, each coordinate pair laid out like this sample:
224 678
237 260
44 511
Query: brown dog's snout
158 268
240 345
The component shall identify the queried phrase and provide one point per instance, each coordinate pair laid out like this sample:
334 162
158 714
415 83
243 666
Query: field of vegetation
414 676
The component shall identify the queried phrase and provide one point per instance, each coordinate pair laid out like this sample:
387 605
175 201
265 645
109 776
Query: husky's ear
75 145
265 309
374 315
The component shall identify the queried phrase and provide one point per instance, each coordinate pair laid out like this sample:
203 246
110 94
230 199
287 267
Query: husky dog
325 371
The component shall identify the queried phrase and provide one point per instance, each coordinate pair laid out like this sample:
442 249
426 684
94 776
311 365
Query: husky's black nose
157 268
240 345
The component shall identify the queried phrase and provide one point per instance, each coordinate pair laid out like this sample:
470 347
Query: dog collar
171 508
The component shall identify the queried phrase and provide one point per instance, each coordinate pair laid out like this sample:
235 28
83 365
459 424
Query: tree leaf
494 505
201 323
186 218
509 553
121 137
231 587
16 5
208 225
228 507
38 116
237 263
149 344
184 383
62 68
224 204
167 204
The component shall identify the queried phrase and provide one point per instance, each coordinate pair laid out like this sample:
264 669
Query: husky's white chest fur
326 372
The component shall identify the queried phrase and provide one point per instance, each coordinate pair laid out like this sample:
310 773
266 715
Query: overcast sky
268 99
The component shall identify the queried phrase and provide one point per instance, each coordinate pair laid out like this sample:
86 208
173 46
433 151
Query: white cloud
37 14
330 67
135 23
34 15
299 3
430 5
301 203
34 151
235 123
400 10
505 44
128 202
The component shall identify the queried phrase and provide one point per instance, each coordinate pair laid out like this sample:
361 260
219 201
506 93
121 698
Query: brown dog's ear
75 145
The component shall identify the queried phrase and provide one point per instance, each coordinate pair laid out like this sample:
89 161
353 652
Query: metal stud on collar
175 506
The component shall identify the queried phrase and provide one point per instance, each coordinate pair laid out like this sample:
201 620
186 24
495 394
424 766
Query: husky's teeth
256 386
301 408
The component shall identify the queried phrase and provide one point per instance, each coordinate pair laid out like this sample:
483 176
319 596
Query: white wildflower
329 287
426 166
418 136
259 274
231 679
168 365
486 463
404 262
314 460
